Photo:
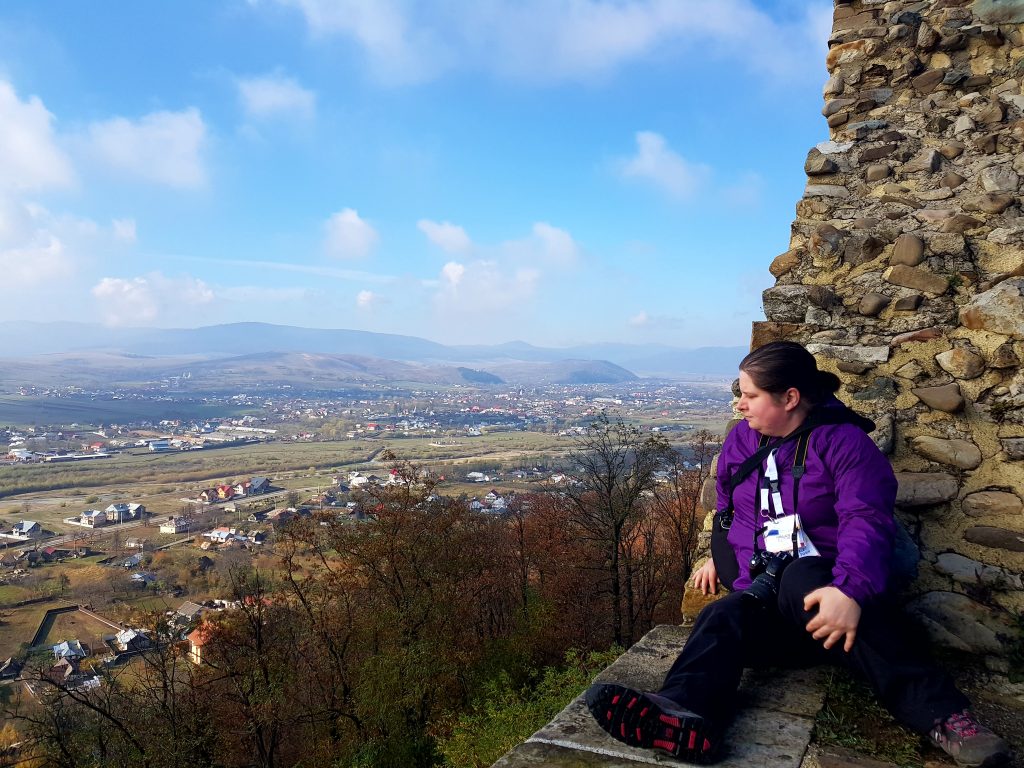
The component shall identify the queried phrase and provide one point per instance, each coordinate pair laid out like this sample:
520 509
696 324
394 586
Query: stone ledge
773 728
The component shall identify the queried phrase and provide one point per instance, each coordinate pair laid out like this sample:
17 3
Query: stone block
884 435
826 190
956 621
786 303
952 149
921 334
786 262
992 503
961 363
971 572
989 203
996 538
997 310
846 53
873 303
952 180
929 80
916 278
818 164
1013 447
876 172
927 161
773 727
925 489
763 332
907 250
999 11
853 354
956 453
946 397
1004 357
708 495
861 249
999 178
908 303
878 153
960 223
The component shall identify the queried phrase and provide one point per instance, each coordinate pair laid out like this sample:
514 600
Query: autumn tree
676 502
615 465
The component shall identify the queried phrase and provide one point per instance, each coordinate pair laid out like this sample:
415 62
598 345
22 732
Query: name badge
778 537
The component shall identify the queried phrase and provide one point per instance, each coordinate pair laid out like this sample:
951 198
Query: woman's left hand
838 615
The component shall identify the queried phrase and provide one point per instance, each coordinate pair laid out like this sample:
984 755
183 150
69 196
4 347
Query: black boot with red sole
650 721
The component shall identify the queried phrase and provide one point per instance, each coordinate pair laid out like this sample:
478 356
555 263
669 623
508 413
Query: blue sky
555 171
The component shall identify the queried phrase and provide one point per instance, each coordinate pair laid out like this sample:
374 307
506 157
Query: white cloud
399 50
451 274
32 247
657 163
639 320
124 230
349 236
29 156
480 288
366 300
144 300
553 40
556 244
161 147
449 237
276 96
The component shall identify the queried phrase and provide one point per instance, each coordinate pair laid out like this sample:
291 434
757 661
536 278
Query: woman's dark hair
777 366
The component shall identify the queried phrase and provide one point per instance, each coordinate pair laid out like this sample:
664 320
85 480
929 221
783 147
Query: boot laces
961 726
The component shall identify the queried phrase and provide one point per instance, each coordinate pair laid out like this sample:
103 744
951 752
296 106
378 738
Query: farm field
75 625
17 625
28 410
49 493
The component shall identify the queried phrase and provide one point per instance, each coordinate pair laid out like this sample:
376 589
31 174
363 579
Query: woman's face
769 414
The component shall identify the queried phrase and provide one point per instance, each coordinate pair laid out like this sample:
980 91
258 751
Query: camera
766 570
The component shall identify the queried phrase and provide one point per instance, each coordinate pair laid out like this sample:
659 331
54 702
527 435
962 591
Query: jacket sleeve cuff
850 589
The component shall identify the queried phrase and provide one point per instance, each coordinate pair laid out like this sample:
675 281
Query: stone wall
905 277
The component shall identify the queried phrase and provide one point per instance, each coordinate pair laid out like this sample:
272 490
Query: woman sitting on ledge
803 538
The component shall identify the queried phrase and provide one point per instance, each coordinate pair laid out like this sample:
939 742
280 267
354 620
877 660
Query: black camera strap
755 460
722 552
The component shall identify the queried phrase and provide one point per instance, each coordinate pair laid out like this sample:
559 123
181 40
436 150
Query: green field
29 410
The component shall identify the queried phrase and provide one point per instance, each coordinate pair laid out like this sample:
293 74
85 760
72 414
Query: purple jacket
846 502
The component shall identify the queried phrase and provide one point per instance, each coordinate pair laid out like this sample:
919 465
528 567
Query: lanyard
770 488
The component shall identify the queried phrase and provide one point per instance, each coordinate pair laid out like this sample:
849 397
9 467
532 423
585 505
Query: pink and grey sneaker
969 742
650 721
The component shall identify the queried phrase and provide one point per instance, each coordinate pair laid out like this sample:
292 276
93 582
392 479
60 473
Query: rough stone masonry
905 276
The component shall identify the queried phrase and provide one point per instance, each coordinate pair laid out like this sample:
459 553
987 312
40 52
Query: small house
174 525
128 640
190 611
27 529
93 518
10 669
198 639
122 512
72 649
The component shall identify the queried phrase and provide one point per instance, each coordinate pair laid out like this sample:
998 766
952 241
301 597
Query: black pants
736 632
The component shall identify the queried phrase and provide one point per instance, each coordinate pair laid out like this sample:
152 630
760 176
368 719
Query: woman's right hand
705 578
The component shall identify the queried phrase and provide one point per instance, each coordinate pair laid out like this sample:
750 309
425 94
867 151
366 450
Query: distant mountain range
261 349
